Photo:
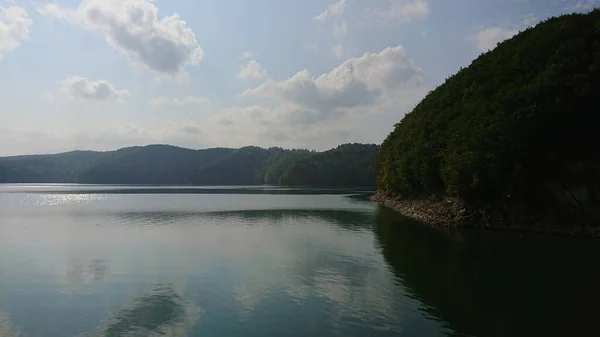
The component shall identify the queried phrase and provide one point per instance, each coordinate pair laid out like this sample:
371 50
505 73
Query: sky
106 74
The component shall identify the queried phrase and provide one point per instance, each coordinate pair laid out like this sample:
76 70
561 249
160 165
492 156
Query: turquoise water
263 261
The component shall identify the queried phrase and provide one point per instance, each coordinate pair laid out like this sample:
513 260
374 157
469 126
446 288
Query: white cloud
15 26
365 81
179 101
99 136
334 9
82 89
405 11
337 51
293 127
581 5
487 38
530 20
159 100
165 45
16 141
48 97
191 129
252 70
187 100
246 56
230 115
340 29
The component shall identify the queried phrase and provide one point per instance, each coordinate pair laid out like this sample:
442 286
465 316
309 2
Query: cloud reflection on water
7 329
161 311
251 267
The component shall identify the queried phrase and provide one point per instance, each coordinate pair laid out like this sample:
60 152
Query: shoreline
452 213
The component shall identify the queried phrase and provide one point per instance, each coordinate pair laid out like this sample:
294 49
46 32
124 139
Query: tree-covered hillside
55 168
348 165
154 164
240 167
273 168
517 127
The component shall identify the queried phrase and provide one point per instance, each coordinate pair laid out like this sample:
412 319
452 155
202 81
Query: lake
84 260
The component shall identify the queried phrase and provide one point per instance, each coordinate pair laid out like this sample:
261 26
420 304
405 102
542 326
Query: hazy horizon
106 74
181 147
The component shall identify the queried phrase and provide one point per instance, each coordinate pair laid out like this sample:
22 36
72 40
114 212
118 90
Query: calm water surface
260 261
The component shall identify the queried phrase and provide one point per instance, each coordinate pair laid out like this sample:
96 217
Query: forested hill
347 165
515 131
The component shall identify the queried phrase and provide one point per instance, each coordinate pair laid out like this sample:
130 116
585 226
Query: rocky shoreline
452 213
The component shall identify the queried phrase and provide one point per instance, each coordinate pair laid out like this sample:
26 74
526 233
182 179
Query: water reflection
74 189
7 329
159 312
494 283
349 220
80 273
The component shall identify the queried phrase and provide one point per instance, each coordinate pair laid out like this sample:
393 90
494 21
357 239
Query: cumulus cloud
487 38
165 45
82 89
295 127
358 82
370 73
334 9
179 101
15 26
252 70
404 10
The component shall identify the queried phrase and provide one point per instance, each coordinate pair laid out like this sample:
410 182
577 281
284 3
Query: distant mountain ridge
346 165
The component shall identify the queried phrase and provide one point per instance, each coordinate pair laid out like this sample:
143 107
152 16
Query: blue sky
104 74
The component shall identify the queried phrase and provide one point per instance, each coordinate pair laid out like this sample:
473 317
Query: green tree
518 125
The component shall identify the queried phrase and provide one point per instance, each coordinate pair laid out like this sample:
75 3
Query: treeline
348 165
517 128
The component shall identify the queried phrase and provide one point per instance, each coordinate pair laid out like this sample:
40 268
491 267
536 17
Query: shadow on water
159 312
349 220
486 283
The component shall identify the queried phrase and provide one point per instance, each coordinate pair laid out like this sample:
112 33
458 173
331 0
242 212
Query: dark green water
155 261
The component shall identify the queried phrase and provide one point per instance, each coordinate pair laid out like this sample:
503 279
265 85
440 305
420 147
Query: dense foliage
347 165
274 167
517 124
239 167
154 164
44 168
